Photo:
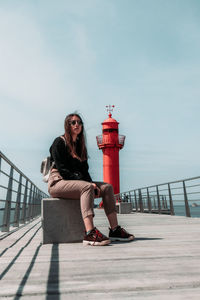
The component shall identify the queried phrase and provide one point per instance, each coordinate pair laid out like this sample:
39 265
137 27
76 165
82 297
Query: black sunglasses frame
73 122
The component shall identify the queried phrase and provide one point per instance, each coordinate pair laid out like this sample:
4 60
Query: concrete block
124 207
61 221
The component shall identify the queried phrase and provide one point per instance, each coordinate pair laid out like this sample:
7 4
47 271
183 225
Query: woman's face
76 126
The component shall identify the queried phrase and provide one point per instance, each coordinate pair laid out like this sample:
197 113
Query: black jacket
69 168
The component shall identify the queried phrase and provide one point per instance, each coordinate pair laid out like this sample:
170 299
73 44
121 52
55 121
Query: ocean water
178 209
12 213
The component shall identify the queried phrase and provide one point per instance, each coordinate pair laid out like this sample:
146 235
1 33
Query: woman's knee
88 187
107 188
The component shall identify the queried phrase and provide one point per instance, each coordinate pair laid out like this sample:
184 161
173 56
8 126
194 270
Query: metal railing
166 198
107 139
20 199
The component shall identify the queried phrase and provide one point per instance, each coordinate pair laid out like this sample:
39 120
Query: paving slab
162 263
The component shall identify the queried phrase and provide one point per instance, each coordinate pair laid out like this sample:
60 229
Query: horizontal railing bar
175 200
177 188
3 187
163 190
194 200
166 183
13 201
13 178
189 186
21 204
187 193
6 174
193 193
16 169
17 181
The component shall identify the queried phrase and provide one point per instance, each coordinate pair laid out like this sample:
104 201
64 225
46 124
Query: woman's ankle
88 222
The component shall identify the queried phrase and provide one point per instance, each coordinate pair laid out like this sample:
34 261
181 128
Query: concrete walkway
162 263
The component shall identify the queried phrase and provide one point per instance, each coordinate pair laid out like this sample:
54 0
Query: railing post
144 203
23 219
140 201
158 199
6 216
166 205
36 201
129 197
163 203
17 206
32 203
187 209
40 204
29 202
170 200
136 204
149 201
154 202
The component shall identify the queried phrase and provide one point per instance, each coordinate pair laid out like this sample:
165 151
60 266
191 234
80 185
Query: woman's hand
96 190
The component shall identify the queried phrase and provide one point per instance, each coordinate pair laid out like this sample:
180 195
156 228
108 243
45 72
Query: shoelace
97 234
125 232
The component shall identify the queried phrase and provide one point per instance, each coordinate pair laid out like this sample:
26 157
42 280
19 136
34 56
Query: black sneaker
96 238
120 234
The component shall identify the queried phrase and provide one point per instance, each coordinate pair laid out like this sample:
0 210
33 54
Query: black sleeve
88 177
61 158
86 174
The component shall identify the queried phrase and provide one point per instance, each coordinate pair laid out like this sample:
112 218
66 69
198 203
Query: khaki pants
83 190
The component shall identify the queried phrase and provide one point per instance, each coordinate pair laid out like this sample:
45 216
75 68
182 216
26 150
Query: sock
115 228
88 232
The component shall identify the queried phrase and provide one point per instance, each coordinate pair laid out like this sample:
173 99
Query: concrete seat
124 207
61 221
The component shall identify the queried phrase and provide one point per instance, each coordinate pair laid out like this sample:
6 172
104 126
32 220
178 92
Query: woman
70 178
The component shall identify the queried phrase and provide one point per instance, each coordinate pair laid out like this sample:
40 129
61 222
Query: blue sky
142 56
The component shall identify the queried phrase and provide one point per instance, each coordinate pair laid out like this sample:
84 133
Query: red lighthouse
111 142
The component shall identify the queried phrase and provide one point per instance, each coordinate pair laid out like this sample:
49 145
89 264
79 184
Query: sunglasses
73 122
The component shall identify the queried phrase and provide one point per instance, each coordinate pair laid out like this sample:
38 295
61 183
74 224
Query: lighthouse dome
110 123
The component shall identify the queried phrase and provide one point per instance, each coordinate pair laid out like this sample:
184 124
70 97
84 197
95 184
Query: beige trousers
83 190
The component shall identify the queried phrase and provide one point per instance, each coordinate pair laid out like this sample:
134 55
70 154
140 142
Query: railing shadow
53 278
18 254
26 275
6 249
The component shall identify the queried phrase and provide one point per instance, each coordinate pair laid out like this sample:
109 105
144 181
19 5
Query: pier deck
162 263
